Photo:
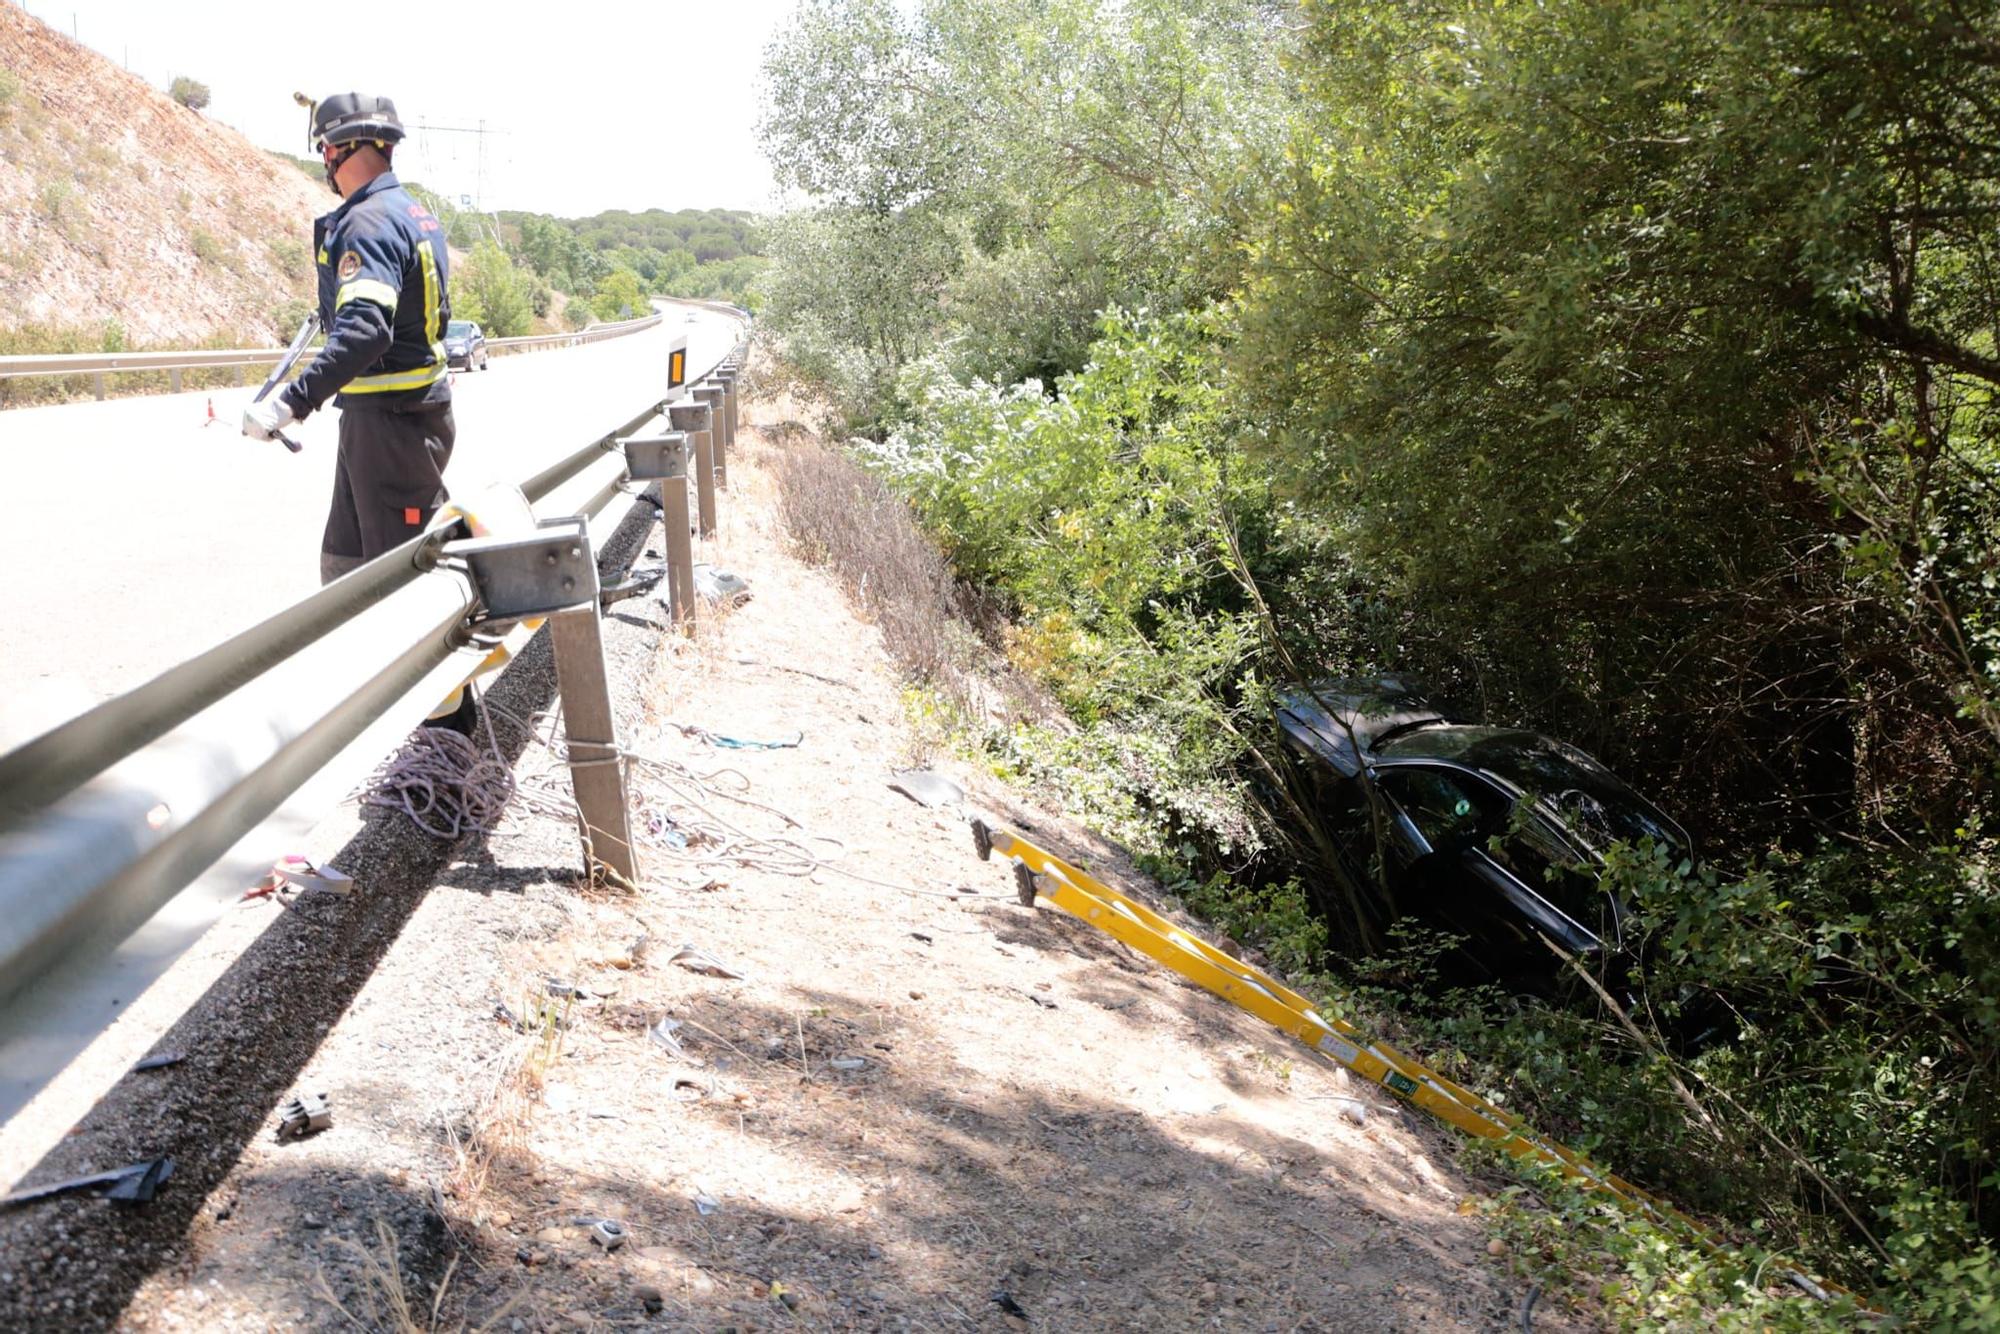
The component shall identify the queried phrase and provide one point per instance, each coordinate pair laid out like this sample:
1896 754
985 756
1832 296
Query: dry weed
938 629
496 1128
384 1294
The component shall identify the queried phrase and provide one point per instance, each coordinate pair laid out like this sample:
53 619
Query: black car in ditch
1491 834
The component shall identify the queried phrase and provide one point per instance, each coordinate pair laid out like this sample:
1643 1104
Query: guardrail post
97 383
174 379
726 377
713 393
695 417
596 771
665 458
735 391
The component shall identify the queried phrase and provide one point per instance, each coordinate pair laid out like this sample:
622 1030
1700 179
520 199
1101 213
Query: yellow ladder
1040 874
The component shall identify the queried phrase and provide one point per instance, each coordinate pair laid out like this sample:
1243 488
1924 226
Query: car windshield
1587 794
458 329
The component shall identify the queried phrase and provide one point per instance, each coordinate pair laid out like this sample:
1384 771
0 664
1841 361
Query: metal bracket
304 1115
532 574
636 584
1024 884
652 458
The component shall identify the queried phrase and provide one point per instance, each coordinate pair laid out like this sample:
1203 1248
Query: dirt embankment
885 1096
117 204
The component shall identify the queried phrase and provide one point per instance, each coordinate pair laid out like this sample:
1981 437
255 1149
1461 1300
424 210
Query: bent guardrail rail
108 819
100 364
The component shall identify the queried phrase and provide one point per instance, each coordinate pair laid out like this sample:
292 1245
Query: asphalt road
134 535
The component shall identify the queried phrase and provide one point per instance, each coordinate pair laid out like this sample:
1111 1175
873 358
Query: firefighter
383 303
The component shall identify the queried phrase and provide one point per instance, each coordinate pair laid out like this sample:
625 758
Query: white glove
263 421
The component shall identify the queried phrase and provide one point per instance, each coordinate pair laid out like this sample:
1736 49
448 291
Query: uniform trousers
388 481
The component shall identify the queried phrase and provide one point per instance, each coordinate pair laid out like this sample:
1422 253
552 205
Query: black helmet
347 118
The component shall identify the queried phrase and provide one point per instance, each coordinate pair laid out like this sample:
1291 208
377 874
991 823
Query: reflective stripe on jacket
383 302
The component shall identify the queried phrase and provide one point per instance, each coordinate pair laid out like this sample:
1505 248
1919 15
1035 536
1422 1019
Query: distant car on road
464 346
1448 841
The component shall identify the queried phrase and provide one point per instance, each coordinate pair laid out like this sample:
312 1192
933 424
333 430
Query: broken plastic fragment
663 1033
698 960
927 788
135 1184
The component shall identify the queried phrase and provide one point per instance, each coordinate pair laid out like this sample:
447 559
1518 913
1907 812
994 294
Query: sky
587 105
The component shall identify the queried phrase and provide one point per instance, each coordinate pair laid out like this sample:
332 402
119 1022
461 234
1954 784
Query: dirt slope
902 1102
118 204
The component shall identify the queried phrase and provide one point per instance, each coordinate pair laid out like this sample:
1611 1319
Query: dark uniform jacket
382 302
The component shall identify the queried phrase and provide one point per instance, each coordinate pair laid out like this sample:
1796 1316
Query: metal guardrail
527 342
100 364
108 818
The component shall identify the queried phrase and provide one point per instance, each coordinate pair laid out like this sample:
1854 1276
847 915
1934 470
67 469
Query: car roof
1331 717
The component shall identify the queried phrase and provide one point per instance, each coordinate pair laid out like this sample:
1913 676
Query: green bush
190 93
1103 515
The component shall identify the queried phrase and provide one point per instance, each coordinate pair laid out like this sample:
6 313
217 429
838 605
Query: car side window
1447 810
1543 862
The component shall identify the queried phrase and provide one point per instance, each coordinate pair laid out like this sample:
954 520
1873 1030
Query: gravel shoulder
914 1104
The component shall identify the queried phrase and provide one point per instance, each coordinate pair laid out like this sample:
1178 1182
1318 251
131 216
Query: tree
1094 150
487 288
188 92
621 296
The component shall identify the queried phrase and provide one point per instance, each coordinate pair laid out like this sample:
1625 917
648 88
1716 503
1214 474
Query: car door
1439 816
1549 882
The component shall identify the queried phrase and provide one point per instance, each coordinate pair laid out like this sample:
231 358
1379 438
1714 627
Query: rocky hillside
120 206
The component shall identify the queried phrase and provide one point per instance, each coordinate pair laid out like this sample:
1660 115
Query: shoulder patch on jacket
350 264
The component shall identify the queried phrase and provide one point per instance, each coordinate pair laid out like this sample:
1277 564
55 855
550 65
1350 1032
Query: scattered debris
650 1298
160 1061
720 586
306 1114
697 960
1353 1110
135 1184
608 1233
505 1015
660 827
1042 1001
706 1205
724 742
304 875
663 1034
927 788
918 935
848 1063
1005 1301
633 955
297 873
